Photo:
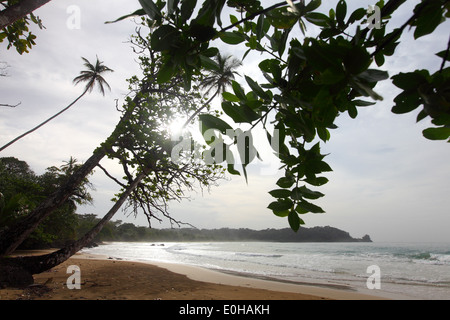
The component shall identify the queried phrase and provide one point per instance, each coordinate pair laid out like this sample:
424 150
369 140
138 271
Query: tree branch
253 15
10 105
110 176
18 11
399 31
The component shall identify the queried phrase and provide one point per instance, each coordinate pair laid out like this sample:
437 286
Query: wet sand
110 279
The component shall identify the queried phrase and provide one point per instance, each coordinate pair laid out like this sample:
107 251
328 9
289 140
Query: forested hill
316 234
119 231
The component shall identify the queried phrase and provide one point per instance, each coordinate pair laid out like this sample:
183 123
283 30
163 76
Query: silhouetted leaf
442 133
150 8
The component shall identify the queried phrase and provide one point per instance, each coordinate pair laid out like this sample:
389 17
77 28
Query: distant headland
315 234
130 232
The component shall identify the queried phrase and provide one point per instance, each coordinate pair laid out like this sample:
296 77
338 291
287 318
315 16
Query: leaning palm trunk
22 268
43 123
92 76
12 237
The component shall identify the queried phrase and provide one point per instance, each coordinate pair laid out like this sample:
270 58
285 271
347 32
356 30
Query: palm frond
219 79
92 75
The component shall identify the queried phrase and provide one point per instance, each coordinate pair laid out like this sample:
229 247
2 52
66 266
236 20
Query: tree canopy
15 18
22 190
330 65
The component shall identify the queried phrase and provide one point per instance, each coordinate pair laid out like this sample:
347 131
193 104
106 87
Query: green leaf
280 193
300 210
341 12
442 133
281 214
357 60
166 72
357 15
171 6
209 63
239 113
317 18
429 18
294 220
406 102
164 37
366 90
323 134
410 80
285 182
150 8
232 37
321 56
230 97
238 91
139 12
316 181
373 75
202 33
296 194
362 103
210 52
208 121
187 8
352 111
379 59
257 89
282 18
313 5
262 26
246 148
442 54
281 206
310 207
231 170
309 194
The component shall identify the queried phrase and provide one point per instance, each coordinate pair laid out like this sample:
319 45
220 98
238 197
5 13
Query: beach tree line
308 81
125 231
22 190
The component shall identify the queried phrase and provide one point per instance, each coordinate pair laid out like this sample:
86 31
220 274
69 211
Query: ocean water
394 270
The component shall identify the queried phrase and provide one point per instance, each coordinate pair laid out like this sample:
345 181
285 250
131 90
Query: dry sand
109 279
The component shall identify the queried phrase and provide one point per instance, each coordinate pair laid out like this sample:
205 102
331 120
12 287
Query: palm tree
218 79
92 75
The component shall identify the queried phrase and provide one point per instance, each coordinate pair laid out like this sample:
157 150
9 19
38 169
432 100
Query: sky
388 181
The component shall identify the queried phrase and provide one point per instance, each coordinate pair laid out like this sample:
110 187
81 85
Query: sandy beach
111 279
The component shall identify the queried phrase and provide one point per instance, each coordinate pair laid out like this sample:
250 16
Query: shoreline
104 278
319 290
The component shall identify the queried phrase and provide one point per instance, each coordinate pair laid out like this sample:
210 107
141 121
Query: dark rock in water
91 245
14 276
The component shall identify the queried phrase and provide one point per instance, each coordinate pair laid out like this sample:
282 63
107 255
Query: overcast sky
387 180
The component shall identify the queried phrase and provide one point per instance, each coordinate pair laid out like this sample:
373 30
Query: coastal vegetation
22 190
306 82
119 231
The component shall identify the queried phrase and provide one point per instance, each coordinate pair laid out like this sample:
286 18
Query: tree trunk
38 264
12 237
19 11
17 272
42 123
